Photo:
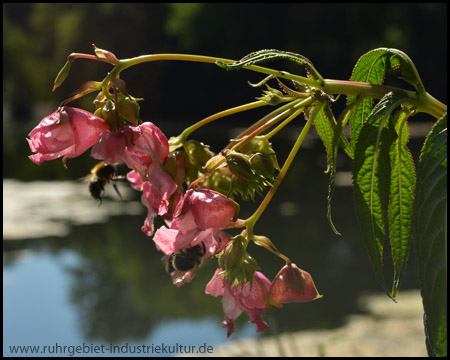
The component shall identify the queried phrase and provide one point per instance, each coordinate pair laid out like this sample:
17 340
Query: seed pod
239 164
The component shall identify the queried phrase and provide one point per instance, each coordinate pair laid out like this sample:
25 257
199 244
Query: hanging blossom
67 133
197 219
157 200
238 299
292 284
142 148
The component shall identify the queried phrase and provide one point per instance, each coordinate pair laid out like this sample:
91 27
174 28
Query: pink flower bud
292 284
67 132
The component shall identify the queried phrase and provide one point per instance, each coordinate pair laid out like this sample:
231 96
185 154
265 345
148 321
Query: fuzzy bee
102 174
184 260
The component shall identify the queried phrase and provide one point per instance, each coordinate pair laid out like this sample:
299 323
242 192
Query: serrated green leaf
371 177
431 235
401 199
329 131
371 68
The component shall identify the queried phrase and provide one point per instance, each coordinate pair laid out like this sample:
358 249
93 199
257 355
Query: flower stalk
250 222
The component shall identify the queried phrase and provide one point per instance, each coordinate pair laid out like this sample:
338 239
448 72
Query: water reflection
120 291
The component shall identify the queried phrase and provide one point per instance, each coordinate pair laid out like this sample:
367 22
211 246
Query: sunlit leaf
372 68
371 177
401 199
431 235
330 133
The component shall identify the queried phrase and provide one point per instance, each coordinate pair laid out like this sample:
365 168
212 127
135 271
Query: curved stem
269 117
330 86
126 63
296 108
235 110
301 106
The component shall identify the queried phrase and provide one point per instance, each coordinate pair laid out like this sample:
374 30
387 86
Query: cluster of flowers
196 217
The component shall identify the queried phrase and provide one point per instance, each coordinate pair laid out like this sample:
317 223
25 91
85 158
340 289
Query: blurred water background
75 272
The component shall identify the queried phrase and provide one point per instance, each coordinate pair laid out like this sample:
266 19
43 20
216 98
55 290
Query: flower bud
129 109
62 74
258 144
238 266
220 181
292 284
175 166
263 164
109 114
233 254
271 99
239 164
105 54
198 152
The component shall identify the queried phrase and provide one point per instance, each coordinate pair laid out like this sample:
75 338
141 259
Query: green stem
126 63
253 105
356 87
250 222
268 124
72 57
428 103
298 109
281 111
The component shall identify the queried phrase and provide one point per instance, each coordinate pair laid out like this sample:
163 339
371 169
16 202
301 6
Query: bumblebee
102 174
185 259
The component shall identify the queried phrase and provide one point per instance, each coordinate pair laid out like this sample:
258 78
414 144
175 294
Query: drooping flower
142 148
158 201
292 284
197 218
68 132
235 300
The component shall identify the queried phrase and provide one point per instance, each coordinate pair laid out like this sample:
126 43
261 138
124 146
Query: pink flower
140 147
197 218
68 132
238 299
134 180
292 284
157 200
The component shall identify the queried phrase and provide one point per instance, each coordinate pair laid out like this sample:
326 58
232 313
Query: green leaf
371 68
262 56
431 235
371 177
401 199
330 133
